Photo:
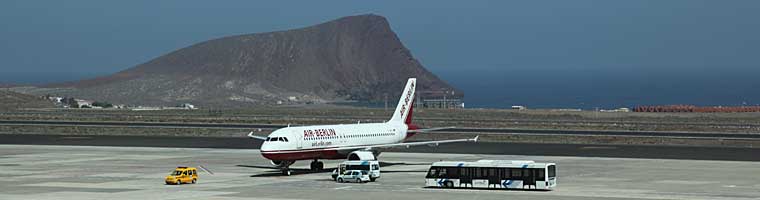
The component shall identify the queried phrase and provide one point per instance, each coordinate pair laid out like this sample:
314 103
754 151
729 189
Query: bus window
516 174
452 172
433 173
357 167
541 175
442 173
492 172
479 173
552 171
504 173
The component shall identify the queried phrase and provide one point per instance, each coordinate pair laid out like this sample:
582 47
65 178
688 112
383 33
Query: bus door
529 177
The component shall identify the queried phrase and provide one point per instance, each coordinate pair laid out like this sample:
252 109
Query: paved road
459 130
622 151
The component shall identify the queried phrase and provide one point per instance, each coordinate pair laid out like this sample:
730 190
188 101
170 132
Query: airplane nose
265 146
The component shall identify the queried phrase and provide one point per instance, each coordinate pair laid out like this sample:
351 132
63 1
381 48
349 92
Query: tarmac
89 172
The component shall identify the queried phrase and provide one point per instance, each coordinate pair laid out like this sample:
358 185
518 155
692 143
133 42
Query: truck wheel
179 182
372 179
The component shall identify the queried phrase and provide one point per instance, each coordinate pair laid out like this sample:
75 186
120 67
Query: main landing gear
316 165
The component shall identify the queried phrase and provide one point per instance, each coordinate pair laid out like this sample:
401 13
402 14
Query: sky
648 45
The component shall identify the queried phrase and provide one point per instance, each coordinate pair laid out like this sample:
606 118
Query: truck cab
182 175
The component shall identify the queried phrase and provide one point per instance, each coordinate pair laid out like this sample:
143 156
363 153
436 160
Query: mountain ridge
350 58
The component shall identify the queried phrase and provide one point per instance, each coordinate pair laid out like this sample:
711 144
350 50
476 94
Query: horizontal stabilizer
250 135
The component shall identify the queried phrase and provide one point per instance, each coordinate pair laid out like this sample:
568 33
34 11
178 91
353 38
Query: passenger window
516 173
541 174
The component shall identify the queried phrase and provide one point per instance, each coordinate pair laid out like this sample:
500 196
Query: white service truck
371 167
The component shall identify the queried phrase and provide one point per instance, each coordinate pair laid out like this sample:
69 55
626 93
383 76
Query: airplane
285 146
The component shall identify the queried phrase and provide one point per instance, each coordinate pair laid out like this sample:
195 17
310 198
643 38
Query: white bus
492 174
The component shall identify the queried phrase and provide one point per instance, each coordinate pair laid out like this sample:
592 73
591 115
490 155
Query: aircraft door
300 142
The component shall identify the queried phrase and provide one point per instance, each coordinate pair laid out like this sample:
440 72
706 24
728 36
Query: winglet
476 138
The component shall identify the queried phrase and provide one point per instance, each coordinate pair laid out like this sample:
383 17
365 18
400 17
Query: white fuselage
313 142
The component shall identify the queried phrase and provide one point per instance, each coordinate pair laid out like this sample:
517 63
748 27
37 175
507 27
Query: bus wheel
449 184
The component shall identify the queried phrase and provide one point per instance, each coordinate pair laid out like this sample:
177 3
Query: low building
442 103
189 106
84 103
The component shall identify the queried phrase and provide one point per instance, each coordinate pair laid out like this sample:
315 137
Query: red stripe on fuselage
304 155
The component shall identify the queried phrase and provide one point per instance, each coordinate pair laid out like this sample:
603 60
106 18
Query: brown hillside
351 58
12 100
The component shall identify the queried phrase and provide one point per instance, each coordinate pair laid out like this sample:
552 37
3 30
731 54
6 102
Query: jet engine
361 155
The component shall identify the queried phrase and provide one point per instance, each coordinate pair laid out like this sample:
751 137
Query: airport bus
506 174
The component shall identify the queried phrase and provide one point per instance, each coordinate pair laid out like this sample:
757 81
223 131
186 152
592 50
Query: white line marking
342 188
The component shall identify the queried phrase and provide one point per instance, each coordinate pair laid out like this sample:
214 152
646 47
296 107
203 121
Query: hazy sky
61 40
561 53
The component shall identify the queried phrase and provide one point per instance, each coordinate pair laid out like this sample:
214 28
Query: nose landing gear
316 165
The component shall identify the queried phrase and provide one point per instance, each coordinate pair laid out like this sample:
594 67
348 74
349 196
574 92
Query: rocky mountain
351 58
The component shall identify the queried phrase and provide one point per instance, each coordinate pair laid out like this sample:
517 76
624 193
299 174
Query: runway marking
76 138
593 147
343 188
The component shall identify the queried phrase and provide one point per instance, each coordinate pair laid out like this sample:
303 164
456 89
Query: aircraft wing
429 129
250 135
406 144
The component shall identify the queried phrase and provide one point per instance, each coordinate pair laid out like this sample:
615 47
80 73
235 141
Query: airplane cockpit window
285 138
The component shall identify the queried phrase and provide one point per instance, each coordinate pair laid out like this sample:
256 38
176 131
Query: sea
603 89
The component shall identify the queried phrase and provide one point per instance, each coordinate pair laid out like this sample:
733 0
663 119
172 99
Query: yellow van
182 175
